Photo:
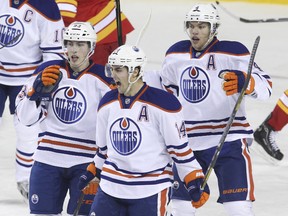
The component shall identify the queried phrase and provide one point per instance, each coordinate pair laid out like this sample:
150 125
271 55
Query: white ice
165 28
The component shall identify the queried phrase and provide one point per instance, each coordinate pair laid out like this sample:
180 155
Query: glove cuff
92 168
251 86
193 175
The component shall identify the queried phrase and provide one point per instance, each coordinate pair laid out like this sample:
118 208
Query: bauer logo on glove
45 84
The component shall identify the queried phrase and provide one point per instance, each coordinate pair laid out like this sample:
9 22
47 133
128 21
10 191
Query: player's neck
81 67
135 88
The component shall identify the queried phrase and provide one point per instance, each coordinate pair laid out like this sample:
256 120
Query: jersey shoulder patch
108 97
230 47
47 8
183 46
161 99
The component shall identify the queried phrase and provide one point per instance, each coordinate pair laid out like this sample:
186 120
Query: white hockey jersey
30 33
139 136
68 122
194 77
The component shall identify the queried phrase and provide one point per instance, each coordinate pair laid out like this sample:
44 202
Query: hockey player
207 75
102 15
63 96
30 33
265 135
140 133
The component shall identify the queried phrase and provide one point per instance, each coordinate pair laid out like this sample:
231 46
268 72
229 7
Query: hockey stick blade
285 19
233 114
79 203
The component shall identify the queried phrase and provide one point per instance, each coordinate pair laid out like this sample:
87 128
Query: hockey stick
252 20
79 203
11 41
143 29
233 114
119 23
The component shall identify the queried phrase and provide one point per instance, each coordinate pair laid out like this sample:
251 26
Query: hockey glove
193 183
88 176
91 188
45 84
234 82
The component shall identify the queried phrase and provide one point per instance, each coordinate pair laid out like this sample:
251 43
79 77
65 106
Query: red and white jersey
283 102
141 136
68 122
100 13
279 115
30 33
194 77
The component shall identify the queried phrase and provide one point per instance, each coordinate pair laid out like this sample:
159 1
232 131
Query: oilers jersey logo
194 84
69 104
125 136
11 30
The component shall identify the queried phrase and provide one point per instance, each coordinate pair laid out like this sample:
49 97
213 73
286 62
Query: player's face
199 34
120 76
77 52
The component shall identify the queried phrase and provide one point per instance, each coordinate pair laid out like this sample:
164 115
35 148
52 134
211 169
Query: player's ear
136 71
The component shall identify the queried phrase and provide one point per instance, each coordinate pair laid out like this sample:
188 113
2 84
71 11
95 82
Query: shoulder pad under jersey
48 8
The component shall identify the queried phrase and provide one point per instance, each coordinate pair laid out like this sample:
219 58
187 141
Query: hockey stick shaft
143 29
233 114
79 203
284 19
119 23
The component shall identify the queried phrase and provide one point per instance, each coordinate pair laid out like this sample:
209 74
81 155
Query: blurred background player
63 96
265 134
207 75
141 132
102 15
30 34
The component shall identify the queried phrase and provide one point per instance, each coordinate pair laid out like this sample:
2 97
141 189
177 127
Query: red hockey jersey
100 13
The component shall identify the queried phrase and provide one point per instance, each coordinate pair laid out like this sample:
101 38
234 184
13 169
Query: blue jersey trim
48 8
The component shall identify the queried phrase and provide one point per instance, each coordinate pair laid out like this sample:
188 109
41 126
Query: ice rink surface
165 28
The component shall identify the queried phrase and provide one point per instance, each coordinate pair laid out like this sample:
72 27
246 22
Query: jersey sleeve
175 54
101 127
239 60
29 112
263 83
173 131
51 30
167 74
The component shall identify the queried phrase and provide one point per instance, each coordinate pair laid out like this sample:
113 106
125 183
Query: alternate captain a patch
194 84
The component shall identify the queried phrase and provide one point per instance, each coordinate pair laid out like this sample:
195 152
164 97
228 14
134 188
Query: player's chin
74 63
